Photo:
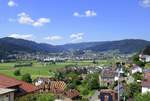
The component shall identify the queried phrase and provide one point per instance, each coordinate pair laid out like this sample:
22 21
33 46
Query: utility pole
118 86
119 68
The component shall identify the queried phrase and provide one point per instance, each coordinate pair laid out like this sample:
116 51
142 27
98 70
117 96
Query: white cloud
88 13
21 36
54 38
41 22
76 37
11 3
26 19
145 3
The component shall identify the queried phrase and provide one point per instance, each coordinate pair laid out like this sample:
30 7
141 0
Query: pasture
39 69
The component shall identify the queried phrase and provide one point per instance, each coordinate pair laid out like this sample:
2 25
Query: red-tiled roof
9 82
57 86
145 83
28 87
147 76
72 93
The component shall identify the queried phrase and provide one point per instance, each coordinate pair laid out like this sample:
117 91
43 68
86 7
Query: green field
147 65
38 69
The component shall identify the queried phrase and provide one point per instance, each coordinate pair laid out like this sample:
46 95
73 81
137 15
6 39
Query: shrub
27 78
17 72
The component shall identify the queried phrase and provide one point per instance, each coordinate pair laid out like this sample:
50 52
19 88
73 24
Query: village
120 81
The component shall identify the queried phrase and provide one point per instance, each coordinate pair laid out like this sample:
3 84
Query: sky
71 21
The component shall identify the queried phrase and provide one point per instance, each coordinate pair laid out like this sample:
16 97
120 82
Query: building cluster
56 87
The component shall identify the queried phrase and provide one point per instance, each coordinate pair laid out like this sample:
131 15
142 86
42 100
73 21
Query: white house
136 69
146 83
144 58
145 89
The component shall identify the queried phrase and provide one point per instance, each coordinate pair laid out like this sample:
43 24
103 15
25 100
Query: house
144 58
38 81
108 95
6 94
107 76
72 94
136 69
50 85
21 87
146 83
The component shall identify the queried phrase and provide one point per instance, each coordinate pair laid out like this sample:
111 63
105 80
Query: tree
85 91
133 89
137 61
142 97
93 83
135 58
17 72
59 75
138 76
140 63
27 78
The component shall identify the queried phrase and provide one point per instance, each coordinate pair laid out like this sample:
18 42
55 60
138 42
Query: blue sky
69 21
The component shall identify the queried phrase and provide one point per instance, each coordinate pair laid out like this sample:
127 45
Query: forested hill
11 45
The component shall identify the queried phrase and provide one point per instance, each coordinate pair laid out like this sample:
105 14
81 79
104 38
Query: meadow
39 69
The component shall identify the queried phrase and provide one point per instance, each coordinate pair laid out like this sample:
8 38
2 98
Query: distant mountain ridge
11 45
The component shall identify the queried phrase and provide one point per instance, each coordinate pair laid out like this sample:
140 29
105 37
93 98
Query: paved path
95 96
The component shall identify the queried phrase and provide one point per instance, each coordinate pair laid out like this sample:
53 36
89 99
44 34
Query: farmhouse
107 76
21 88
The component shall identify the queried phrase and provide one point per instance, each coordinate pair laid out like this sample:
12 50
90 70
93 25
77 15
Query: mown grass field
38 69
